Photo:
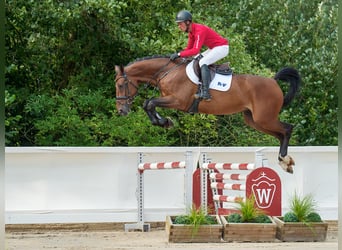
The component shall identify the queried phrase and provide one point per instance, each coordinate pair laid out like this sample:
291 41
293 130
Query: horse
259 98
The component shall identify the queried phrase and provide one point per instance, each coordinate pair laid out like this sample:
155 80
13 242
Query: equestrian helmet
183 16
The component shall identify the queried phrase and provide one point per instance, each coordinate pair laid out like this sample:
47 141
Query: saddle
222 69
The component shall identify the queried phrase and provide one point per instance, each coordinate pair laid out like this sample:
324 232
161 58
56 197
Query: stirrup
205 95
206 98
200 96
198 93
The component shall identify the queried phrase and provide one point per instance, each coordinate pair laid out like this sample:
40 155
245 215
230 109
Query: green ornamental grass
195 217
302 209
248 213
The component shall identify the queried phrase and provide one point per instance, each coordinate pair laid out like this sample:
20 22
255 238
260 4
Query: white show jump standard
142 166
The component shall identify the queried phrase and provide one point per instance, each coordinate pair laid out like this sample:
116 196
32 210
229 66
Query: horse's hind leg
280 130
285 160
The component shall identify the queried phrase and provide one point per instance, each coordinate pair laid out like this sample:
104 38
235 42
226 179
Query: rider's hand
174 56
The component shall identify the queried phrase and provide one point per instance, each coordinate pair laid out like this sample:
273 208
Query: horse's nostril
122 112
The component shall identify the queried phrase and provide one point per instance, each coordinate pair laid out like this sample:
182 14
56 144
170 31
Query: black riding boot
205 73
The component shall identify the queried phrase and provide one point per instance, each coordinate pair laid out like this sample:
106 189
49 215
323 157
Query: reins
166 72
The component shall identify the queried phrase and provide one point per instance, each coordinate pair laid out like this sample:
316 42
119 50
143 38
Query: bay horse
259 98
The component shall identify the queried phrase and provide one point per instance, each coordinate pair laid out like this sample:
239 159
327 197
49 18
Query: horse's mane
149 57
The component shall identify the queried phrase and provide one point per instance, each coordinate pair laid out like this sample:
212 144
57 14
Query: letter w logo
263 193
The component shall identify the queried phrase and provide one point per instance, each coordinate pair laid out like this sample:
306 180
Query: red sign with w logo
265 185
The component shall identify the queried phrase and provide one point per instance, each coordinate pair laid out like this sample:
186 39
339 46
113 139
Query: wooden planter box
178 233
298 231
249 232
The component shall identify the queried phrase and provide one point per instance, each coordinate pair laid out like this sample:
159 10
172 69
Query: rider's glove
174 56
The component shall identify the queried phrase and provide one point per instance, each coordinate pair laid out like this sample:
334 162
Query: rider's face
182 26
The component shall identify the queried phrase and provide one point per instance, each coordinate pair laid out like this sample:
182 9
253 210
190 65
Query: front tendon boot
205 82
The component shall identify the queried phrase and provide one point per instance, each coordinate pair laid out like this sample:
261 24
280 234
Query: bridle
127 97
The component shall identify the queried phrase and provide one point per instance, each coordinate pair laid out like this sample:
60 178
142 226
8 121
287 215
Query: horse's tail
291 76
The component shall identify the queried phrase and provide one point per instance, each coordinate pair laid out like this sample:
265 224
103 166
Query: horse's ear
118 69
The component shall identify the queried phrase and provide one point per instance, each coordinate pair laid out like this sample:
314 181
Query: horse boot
205 83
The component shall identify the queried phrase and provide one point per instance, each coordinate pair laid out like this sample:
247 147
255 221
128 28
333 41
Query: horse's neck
147 70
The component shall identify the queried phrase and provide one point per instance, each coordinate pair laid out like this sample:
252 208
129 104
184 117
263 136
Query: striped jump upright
233 182
156 166
227 182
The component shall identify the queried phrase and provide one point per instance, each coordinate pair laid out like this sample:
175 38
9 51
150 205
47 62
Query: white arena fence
99 184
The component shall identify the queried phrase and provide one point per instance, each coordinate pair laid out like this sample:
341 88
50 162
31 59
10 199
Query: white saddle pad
220 82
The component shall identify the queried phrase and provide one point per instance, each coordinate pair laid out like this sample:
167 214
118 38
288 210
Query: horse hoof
168 123
286 163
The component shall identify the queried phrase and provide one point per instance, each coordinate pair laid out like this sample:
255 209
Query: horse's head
126 90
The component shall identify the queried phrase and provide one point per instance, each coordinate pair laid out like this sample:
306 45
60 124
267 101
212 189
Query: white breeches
211 56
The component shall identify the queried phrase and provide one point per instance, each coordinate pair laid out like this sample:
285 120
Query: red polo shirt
202 35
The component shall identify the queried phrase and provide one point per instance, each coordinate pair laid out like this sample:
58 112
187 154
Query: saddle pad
220 82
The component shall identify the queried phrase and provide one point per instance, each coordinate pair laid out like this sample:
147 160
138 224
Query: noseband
127 97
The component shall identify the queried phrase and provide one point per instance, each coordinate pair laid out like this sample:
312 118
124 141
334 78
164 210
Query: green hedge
60 58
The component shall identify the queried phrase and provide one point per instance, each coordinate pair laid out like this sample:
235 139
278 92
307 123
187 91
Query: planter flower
302 222
195 227
249 224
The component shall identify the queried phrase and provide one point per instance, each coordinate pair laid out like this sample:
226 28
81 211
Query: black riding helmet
183 16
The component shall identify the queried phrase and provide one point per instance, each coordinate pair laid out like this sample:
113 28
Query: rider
201 35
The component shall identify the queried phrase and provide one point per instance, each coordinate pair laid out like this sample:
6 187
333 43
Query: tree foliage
60 57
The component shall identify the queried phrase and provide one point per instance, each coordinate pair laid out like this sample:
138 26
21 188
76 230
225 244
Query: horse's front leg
156 119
